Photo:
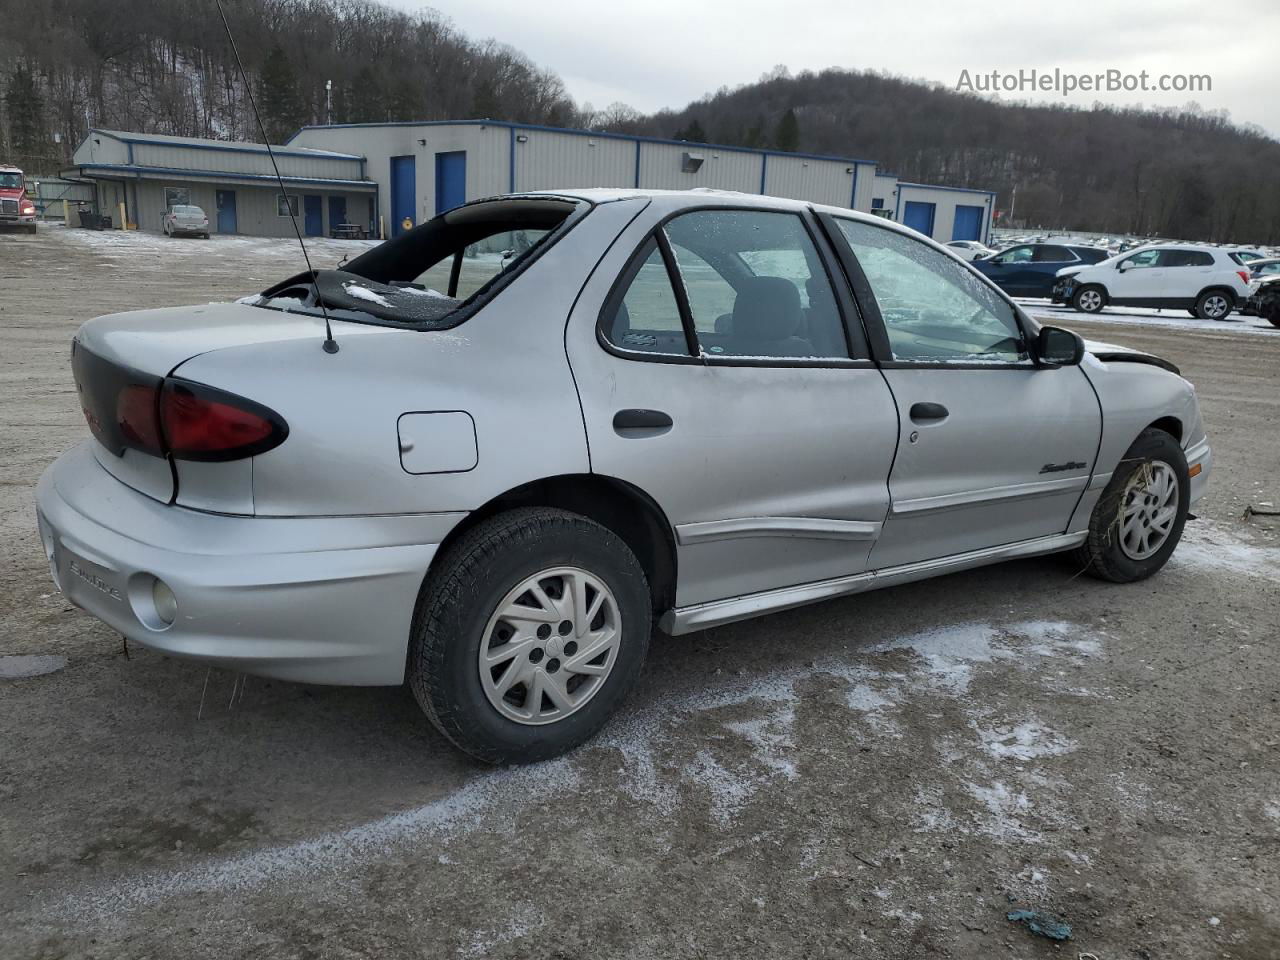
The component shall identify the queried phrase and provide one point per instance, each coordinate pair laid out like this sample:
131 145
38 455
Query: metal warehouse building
384 176
233 182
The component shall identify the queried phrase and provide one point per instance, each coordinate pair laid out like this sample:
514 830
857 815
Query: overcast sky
665 53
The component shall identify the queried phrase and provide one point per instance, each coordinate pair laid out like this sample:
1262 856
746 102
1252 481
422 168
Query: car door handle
648 422
928 412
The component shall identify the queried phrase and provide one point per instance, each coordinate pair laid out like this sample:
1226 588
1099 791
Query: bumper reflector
1195 470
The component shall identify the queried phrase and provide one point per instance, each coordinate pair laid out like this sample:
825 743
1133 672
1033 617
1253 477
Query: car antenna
330 344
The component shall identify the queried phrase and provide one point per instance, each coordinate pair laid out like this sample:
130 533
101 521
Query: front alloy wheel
1088 300
1213 306
1150 509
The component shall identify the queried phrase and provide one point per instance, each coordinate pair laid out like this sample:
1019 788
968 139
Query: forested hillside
1180 173
164 66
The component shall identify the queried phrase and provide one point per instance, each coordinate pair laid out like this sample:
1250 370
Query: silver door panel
1008 463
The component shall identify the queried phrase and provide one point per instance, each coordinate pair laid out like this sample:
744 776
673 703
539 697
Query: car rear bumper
311 599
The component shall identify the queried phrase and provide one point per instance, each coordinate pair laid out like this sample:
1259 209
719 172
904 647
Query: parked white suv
1206 281
969 249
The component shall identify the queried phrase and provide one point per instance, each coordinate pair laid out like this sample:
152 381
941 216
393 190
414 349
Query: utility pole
328 102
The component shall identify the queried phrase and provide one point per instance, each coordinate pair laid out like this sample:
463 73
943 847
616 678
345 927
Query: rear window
437 274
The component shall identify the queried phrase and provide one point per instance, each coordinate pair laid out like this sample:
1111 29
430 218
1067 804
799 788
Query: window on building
286 205
877 203
176 197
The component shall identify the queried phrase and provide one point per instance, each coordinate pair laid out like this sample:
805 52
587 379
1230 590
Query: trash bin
94 221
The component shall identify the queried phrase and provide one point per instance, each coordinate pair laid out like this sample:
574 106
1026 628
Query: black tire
1101 554
1207 305
463 591
1192 312
1093 303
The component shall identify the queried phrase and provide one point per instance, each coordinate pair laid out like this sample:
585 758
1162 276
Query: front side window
756 286
1015 255
1147 258
934 308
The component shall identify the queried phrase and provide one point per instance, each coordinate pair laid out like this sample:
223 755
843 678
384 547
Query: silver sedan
545 423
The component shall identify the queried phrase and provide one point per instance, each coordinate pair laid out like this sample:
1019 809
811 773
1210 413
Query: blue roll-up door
919 216
403 174
451 180
312 215
968 223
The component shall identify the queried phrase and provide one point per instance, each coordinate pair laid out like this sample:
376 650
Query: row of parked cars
1208 282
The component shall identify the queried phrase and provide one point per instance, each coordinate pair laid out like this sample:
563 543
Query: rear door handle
928 412
647 422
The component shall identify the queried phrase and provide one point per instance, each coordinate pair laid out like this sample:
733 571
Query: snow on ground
1047 312
325 252
747 730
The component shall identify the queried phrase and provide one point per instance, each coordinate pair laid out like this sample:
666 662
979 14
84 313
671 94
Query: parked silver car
682 408
185 219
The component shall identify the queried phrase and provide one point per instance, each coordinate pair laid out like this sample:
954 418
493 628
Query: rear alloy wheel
1214 305
1089 300
1138 520
530 631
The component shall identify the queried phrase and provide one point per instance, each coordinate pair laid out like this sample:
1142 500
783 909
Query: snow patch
1206 543
1028 740
364 293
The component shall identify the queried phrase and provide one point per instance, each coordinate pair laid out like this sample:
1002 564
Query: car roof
705 197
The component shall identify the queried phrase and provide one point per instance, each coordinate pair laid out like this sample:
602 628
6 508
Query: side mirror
1056 347
1124 265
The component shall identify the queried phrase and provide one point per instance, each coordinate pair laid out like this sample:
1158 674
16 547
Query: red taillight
136 418
1244 275
201 423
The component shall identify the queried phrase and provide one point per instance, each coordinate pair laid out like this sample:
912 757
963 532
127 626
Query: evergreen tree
787 137
278 97
28 142
693 133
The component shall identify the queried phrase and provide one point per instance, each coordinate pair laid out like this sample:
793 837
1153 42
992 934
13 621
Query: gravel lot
880 777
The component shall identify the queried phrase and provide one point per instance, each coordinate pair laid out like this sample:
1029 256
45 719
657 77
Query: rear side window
1186 258
647 317
754 285
1051 254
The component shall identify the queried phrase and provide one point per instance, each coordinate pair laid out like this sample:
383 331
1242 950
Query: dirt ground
879 777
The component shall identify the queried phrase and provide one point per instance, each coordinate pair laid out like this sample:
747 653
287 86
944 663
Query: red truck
17 212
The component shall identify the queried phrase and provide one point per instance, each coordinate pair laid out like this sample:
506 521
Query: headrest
767 308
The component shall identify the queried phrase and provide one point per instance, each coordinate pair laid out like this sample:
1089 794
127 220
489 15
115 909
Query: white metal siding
721 169
818 181
232 161
100 148
945 202
549 160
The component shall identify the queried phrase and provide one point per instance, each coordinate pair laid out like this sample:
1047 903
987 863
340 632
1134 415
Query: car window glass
1186 258
481 262
1051 254
646 317
934 309
1147 258
1015 255
1268 268
756 285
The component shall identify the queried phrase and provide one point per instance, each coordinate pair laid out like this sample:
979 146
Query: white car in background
1207 282
186 219
969 249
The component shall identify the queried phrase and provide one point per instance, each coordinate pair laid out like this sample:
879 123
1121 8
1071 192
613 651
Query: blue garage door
451 180
402 190
919 216
226 201
312 215
968 223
